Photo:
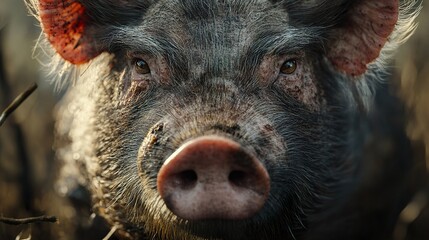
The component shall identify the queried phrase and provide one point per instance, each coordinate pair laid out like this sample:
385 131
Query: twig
26 175
15 104
111 232
14 221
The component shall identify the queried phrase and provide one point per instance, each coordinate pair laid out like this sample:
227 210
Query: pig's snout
212 177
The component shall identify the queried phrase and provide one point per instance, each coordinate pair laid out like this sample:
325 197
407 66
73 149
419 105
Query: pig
226 119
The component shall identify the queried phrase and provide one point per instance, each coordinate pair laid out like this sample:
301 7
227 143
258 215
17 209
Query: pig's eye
141 66
289 67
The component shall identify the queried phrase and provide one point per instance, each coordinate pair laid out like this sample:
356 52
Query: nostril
186 179
238 178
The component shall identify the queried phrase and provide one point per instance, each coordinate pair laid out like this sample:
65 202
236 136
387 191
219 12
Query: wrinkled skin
216 69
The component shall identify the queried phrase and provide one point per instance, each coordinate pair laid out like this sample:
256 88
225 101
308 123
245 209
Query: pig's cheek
302 86
134 89
163 72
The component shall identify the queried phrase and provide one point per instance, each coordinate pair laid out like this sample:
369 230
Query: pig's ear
359 39
74 27
67 27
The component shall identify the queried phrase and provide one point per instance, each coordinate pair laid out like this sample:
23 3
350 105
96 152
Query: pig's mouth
259 226
220 229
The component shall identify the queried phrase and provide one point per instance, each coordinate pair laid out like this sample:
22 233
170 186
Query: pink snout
212 177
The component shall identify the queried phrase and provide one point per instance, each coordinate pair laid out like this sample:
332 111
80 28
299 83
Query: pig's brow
289 41
155 43
281 42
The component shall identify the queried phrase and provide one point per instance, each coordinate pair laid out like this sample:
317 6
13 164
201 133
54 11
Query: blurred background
27 163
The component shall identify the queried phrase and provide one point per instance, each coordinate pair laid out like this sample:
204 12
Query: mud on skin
221 119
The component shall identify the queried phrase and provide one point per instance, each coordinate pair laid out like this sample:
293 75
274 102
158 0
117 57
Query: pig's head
218 119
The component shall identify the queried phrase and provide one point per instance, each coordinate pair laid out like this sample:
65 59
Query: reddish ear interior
67 29
364 33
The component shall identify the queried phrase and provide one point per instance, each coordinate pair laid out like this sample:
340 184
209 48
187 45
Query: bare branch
14 221
111 232
16 103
